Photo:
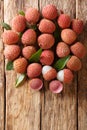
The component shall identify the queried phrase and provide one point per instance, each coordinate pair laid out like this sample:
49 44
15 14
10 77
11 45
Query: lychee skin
47 57
49 12
20 65
77 26
10 37
28 51
49 73
47 26
29 37
64 21
34 70
78 49
46 41
55 86
11 52
65 76
18 23
74 63
68 36
32 15
62 49
36 84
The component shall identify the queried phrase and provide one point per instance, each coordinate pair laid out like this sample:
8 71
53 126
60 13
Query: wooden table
23 109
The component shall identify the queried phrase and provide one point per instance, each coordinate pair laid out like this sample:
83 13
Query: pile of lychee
19 49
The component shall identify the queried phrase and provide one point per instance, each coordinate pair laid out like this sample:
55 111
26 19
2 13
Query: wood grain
59 112
2 85
81 13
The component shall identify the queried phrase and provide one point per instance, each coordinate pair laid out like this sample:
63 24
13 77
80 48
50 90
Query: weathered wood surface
29 110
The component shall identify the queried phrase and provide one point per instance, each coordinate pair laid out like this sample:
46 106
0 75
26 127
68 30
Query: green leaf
9 65
6 26
60 64
33 26
20 34
21 12
20 79
36 56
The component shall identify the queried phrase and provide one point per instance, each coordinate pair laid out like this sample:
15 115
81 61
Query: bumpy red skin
68 76
46 41
78 49
47 57
47 26
62 49
10 37
18 23
34 70
29 37
74 63
68 36
32 15
20 65
49 12
11 52
64 21
28 51
77 26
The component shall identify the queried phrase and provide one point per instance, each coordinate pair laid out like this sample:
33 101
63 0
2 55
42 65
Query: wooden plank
81 13
22 104
2 84
59 112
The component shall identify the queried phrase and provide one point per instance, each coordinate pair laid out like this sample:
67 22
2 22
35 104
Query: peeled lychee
47 57
49 73
49 12
77 25
68 36
74 63
10 37
32 15
78 49
64 21
20 65
46 41
29 37
36 83
55 86
11 52
34 70
28 51
47 26
62 49
65 76
18 23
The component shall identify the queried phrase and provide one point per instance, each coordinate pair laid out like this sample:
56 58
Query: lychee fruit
18 23
46 41
74 63
48 73
65 76
36 83
47 57
55 86
32 15
47 26
29 37
34 70
10 37
64 21
78 49
62 49
68 36
20 65
49 12
77 26
11 52
28 51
